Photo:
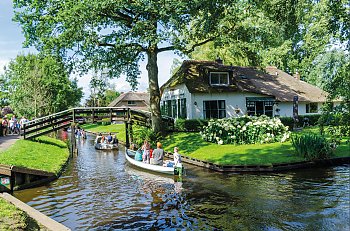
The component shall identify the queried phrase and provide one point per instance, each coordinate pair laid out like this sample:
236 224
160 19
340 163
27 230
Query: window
219 78
131 102
311 108
259 106
175 108
214 109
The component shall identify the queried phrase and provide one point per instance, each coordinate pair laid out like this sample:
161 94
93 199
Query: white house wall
233 101
175 92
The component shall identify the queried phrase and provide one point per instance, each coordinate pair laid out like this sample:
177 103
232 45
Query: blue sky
11 39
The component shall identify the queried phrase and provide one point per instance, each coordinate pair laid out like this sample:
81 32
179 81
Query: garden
247 140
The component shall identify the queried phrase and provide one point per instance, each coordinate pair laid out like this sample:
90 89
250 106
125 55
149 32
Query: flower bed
245 130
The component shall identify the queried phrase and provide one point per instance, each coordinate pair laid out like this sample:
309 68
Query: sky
11 39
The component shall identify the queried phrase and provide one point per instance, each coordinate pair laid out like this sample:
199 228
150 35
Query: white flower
220 142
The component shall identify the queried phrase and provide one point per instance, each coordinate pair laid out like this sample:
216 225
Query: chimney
219 61
297 75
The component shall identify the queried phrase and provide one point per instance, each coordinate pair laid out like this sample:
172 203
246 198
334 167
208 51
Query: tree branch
169 48
135 45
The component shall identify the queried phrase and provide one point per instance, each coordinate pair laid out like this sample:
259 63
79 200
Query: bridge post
73 114
131 139
127 142
93 116
110 115
73 140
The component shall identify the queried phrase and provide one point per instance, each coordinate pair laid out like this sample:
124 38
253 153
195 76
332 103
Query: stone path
7 141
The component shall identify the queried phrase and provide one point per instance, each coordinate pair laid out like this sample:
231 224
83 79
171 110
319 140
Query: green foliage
245 130
312 120
312 147
141 134
190 125
39 86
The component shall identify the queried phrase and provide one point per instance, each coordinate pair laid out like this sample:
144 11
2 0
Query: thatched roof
195 75
131 96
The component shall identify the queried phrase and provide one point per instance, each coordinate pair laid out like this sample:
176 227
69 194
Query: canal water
100 191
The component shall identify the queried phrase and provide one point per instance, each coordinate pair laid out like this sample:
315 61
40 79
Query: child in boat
146 153
177 158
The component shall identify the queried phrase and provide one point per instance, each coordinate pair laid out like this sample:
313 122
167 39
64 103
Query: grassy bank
119 129
12 218
45 153
192 145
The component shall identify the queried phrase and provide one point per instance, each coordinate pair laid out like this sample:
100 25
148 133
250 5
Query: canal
100 191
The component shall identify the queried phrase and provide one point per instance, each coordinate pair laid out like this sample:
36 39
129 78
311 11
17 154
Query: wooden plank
5 170
31 171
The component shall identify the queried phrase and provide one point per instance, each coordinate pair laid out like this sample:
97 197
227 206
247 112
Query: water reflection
99 190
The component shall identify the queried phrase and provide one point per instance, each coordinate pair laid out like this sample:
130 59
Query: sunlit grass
47 154
192 145
119 129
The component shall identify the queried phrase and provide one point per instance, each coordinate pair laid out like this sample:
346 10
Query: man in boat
109 138
158 155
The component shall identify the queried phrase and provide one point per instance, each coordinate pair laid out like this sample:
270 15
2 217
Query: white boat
129 155
103 146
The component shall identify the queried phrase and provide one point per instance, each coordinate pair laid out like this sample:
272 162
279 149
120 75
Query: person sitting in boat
109 138
83 133
115 140
98 138
146 153
177 158
158 155
103 140
138 155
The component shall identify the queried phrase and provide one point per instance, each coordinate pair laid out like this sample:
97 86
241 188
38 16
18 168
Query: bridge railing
63 119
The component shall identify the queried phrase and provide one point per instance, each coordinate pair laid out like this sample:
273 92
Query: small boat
105 146
129 155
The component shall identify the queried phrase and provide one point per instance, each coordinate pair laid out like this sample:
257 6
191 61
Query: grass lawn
12 218
114 128
191 144
47 154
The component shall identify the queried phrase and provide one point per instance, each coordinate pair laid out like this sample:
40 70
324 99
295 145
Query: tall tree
116 34
39 86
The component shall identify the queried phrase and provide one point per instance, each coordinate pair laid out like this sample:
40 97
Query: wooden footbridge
65 119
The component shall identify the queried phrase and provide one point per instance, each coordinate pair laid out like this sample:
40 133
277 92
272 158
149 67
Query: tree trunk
152 68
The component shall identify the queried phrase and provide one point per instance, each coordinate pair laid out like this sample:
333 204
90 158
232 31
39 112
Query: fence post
24 131
127 142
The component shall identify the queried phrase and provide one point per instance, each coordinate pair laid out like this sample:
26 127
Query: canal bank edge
263 168
39 217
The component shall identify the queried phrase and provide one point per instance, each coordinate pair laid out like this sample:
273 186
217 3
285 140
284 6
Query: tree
291 35
39 86
115 35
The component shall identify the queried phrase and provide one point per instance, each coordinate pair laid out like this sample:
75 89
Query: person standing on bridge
4 125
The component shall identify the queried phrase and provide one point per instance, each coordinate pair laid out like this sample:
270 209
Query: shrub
245 130
142 134
312 147
195 124
180 125
287 121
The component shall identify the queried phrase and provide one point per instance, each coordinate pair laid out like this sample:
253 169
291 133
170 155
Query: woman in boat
158 155
109 138
146 151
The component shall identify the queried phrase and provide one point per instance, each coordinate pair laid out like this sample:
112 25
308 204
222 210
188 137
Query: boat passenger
146 153
138 155
103 140
109 138
115 140
158 155
177 157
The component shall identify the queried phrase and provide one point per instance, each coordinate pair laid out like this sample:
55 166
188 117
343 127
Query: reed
312 146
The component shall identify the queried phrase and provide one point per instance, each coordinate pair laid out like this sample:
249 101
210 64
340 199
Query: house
134 100
209 89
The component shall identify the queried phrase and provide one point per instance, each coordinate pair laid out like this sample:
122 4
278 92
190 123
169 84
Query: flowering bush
245 130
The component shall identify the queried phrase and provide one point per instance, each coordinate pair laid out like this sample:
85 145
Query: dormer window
219 78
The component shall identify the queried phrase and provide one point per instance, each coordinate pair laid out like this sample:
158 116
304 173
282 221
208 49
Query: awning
264 99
